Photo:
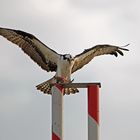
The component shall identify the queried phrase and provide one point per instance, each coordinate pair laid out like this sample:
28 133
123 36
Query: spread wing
87 55
39 52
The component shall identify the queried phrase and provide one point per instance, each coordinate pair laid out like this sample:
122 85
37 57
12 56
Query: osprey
49 60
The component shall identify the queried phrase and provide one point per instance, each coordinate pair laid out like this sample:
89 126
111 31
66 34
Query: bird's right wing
87 55
39 52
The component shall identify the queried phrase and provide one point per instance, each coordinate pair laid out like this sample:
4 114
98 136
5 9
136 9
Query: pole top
79 85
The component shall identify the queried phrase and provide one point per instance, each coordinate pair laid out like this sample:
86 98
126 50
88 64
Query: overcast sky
70 26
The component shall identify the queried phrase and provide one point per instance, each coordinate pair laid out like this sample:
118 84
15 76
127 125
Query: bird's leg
60 79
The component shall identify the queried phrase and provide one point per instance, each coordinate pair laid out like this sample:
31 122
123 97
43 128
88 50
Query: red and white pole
93 112
57 112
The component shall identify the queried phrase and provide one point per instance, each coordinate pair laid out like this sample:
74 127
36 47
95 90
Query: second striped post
93 112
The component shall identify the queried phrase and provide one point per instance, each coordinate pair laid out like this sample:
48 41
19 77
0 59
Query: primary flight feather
49 60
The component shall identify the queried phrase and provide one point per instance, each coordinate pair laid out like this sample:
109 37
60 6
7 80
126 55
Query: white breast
64 69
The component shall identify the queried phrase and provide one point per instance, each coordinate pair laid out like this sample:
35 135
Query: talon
71 80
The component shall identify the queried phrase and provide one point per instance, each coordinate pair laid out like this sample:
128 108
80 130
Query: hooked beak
71 59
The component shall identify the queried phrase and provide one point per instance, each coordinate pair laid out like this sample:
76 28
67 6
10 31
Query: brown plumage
87 55
49 60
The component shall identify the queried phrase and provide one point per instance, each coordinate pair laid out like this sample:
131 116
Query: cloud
101 5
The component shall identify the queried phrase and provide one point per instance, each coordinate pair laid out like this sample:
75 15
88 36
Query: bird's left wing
39 52
87 55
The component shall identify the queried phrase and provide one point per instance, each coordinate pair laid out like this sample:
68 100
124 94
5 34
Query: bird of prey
49 60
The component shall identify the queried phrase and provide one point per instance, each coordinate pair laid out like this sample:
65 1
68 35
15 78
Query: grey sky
70 26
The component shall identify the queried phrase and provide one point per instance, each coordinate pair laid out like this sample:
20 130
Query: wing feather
39 52
87 55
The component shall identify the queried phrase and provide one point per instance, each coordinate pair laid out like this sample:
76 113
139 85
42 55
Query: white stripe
57 112
93 129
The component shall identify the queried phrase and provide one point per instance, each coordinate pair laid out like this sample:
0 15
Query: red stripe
59 87
93 102
54 137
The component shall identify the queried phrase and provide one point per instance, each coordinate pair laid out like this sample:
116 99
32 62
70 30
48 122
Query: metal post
57 112
93 112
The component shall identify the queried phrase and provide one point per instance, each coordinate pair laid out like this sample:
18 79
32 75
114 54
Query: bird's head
67 57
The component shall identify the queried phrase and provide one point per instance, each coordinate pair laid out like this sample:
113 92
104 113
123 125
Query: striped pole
57 112
93 112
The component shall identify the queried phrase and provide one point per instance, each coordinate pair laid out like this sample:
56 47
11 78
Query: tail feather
70 91
46 86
